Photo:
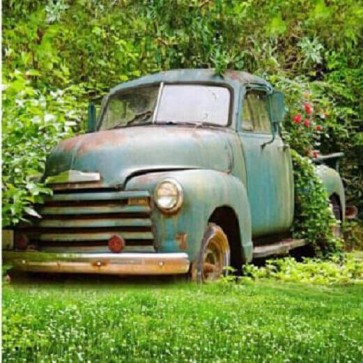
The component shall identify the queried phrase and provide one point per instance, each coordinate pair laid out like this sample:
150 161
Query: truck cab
184 171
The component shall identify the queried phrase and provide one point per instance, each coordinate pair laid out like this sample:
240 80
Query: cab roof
229 77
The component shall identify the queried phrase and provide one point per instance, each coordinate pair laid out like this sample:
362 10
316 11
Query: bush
353 235
314 220
34 121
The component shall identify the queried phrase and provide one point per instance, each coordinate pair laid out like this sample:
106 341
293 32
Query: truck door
268 167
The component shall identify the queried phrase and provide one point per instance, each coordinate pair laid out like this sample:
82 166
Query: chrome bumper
99 263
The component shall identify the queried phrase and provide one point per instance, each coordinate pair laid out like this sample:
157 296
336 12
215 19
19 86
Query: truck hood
118 154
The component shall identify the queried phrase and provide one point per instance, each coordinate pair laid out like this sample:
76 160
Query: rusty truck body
183 171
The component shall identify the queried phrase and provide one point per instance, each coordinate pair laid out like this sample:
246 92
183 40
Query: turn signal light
116 244
21 241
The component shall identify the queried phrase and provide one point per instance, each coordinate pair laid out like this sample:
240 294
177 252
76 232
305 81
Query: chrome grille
76 220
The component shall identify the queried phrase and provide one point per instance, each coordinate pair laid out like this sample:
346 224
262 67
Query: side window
255 113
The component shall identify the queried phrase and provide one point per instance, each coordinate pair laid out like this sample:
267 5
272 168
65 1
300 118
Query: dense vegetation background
58 55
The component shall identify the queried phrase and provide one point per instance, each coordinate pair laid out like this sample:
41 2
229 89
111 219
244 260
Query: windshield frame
165 83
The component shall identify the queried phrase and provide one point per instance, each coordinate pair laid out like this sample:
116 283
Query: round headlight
168 196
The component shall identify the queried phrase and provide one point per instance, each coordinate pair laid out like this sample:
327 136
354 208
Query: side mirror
91 120
277 107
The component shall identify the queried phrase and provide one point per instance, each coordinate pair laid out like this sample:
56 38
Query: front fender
204 191
332 183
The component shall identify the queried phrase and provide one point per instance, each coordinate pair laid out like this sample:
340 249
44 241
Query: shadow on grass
18 278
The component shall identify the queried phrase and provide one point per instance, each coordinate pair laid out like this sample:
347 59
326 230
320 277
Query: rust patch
100 140
98 264
147 178
69 144
182 241
91 142
234 75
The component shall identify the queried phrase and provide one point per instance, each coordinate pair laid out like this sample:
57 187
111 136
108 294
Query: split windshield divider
158 102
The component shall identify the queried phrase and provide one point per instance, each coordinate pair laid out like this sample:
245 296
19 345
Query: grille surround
76 220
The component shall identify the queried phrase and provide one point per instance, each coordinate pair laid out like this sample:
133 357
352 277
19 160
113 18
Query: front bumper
99 263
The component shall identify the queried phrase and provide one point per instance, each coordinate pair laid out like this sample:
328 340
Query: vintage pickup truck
183 171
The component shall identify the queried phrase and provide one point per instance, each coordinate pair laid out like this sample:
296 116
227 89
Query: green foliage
260 322
34 120
330 127
322 127
348 270
353 235
313 220
308 49
4 271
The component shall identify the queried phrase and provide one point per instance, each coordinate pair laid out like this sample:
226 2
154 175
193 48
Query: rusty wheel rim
215 257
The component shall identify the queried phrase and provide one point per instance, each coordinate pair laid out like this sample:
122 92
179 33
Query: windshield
197 104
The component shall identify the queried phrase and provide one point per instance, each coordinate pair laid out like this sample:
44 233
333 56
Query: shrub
34 120
313 220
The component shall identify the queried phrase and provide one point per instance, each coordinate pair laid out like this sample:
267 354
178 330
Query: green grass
114 321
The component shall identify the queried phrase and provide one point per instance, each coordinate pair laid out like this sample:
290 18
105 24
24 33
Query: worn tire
214 256
335 206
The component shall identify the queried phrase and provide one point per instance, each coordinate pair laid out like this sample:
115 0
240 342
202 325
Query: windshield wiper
167 122
188 123
142 116
206 123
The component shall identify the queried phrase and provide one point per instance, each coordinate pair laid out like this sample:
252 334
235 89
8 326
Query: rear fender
333 184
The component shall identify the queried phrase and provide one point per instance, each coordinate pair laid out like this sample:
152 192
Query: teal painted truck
183 171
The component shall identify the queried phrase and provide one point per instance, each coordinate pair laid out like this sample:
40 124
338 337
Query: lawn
118 320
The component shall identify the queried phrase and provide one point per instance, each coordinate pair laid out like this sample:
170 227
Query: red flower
308 108
318 128
297 119
307 123
316 153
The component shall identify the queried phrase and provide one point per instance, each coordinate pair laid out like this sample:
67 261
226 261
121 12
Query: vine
314 220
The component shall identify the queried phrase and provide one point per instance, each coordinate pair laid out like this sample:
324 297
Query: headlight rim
180 198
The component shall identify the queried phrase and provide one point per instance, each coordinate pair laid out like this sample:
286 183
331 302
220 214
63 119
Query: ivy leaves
313 216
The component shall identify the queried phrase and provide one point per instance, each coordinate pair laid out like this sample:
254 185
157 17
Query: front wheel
214 255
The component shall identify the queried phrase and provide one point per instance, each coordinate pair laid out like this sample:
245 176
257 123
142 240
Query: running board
279 248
